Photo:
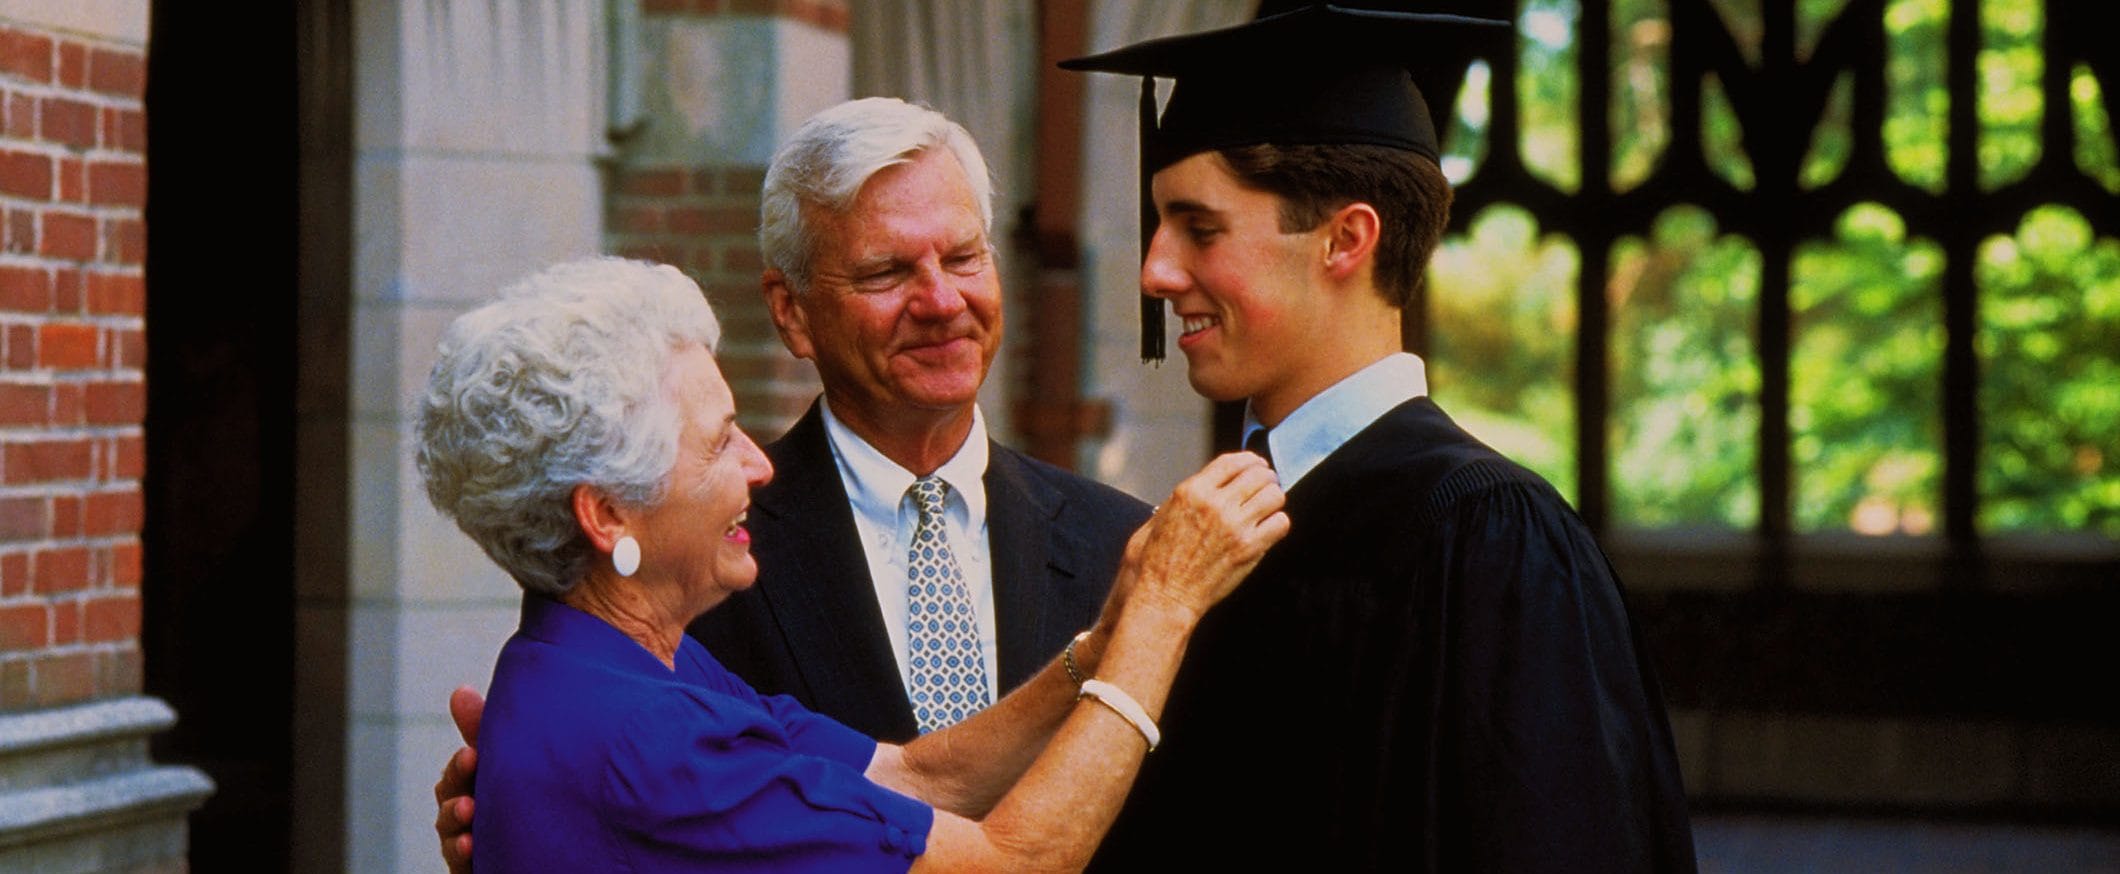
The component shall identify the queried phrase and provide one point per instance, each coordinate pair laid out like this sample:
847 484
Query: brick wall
704 220
73 181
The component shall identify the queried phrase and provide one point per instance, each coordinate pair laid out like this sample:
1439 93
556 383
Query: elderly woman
578 430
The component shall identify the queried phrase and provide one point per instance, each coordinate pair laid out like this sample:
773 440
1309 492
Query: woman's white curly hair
557 382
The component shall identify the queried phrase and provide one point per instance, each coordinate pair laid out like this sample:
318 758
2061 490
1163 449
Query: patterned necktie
942 640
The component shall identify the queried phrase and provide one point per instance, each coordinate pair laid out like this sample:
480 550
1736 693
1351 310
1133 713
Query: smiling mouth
1196 324
736 527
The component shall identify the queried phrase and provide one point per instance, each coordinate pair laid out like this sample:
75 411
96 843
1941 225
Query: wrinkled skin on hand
1212 531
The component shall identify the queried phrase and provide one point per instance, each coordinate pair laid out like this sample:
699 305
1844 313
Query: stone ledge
84 770
24 733
96 805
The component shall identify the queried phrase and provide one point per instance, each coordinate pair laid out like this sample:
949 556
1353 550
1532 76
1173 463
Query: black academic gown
1433 672
810 627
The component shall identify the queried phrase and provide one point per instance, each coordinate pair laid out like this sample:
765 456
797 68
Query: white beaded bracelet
1123 704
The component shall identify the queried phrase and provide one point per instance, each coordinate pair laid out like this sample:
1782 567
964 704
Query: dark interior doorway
218 633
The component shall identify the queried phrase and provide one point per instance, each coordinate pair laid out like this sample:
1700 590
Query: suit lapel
1025 547
822 597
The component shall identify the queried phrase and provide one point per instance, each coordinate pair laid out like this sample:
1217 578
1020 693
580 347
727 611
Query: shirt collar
876 484
1333 416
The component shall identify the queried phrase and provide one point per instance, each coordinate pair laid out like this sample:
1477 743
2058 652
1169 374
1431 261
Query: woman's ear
600 518
1351 239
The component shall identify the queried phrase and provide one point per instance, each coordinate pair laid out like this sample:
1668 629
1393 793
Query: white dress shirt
876 487
1333 416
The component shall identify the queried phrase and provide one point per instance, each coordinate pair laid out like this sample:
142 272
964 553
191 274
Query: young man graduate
1436 670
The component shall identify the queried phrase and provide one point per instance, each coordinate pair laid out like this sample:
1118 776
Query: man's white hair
834 153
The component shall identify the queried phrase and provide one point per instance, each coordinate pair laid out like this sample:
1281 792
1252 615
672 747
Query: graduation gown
1433 672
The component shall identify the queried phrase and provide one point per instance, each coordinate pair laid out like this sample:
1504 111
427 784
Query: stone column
477 131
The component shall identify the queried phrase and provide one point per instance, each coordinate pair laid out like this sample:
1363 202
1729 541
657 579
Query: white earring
625 556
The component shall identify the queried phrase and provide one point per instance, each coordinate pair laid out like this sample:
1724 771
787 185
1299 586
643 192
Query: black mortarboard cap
1317 75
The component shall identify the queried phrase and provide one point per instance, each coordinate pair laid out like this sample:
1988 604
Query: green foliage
1547 91
1865 373
1503 363
2094 131
2049 345
1685 398
2010 65
1867 334
1641 91
1917 104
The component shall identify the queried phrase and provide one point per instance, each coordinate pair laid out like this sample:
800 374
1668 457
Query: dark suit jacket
810 626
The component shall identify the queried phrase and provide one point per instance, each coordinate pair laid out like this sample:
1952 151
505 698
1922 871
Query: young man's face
1237 283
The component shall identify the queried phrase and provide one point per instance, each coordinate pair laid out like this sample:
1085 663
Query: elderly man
1438 656
880 270
875 230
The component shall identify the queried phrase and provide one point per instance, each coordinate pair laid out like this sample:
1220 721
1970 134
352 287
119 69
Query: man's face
904 310
1237 283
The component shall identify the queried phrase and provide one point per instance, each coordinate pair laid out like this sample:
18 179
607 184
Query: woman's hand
1201 542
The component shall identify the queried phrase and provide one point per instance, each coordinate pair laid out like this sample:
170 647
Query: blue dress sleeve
698 781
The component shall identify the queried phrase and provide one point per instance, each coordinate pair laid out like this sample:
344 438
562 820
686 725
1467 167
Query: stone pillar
78 792
477 128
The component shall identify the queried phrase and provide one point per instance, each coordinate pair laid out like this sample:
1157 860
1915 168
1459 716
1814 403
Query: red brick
18 351
65 678
115 183
131 457
118 673
68 287
130 131
24 404
131 349
743 182
14 574
16 690
117 294
125 565
45 461
69 404
116 403
66 622
28 289
73 64
653 183
126 240
69 122
25 174
68 235
120 73
113 513
26 54
65 345
21 234
66 517
720 220
73 181
60 570
25 627
116 617
742 258
637 220
21 112
22 519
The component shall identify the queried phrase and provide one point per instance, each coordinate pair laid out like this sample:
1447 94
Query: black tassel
1151 307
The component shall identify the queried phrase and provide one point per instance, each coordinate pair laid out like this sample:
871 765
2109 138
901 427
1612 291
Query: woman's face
695 536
